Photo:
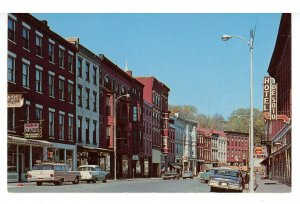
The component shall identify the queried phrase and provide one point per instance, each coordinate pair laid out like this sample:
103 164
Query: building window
87 66
87 131
11 29
134 113
70 63
70 128
61 89
38 45
70 93
95 132
61 58
51 52
87 98
27 113
79 67
95 101
11 119
107 106
25 75
80 95
51 85
51 124
38 80
79 129
107 136
106 82
25 36
95 75
11 69
38 114
61 126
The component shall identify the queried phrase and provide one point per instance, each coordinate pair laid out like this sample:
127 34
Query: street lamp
250 44
115 132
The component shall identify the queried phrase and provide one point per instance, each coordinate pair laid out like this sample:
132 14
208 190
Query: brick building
278 137
237 148
41 67
156 93
115 83
147 111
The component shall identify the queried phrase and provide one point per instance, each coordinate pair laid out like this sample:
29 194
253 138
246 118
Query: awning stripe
94 148
282 132
20 140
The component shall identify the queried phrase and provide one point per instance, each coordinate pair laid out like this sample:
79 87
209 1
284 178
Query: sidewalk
270 186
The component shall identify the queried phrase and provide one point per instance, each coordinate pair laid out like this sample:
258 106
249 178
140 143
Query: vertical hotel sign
270 98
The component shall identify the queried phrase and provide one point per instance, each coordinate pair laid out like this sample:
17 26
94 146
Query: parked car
56 173
204 176
225 178
92 173
12 174
187 174
170 175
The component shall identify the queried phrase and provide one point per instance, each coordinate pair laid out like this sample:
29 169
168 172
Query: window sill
26 49
39 56
39 92
12 41
52 62
13 82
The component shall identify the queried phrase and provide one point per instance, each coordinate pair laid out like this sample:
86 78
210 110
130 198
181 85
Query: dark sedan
225 179
170 175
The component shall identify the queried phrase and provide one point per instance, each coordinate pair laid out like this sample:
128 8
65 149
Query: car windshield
43 167
224 172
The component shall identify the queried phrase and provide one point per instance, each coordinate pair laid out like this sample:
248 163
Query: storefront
95 156
22 154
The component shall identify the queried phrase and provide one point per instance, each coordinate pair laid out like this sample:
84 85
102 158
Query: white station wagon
52 173
92 173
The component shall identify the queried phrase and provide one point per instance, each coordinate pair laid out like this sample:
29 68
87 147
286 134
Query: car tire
88 181
104 181
94 180
76 180
58 183
213 189
39 183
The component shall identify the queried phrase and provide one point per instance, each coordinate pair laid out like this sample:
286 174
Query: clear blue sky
184 51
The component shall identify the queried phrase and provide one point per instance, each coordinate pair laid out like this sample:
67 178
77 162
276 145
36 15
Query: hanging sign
15 100
270 97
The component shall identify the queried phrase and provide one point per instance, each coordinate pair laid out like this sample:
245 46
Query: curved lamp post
250 44
115 134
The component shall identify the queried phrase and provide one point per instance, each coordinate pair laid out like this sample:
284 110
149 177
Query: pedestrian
247 178
243 179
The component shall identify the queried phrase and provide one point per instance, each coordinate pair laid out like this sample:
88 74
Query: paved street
154 185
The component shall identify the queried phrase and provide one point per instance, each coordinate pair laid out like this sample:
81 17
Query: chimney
73 40
45 22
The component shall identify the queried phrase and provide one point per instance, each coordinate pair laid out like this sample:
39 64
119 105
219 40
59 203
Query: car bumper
226 186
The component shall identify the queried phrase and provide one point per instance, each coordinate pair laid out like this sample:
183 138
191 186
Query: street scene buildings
68 104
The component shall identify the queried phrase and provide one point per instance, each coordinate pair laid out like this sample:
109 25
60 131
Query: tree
239 121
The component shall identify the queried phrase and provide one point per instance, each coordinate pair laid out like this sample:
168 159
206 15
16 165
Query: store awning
265 161
281 133
207 166
280 150
174 165
94 148
21 140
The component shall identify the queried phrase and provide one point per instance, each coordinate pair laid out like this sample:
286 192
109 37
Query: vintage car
204 176
187 174
226 179
92 173
170 175
49 172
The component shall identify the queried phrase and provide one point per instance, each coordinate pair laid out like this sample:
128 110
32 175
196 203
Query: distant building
156 93
237 148
186 142
147 112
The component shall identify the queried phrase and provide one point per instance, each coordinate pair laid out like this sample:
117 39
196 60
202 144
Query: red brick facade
237 148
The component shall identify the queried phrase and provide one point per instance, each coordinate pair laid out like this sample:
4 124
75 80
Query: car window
224 172
58 168
43 167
